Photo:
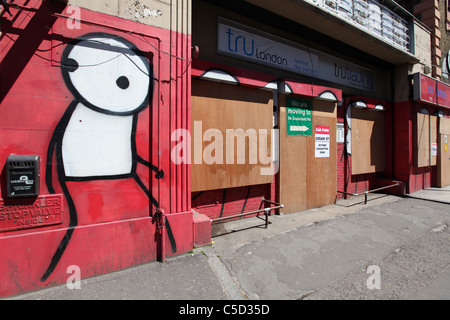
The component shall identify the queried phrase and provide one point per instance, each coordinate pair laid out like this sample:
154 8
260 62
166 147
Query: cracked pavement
327 259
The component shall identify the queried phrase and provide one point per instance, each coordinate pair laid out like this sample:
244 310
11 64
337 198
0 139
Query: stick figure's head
107 73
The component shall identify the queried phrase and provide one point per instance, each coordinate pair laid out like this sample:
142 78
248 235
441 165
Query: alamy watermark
74 280
74 20
236 141
374 280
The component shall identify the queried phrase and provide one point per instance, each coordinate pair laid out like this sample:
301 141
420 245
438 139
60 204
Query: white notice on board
434 149
322 137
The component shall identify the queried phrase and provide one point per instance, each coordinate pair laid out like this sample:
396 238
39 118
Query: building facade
429 104
129 127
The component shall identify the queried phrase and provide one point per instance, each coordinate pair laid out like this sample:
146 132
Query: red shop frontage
422 124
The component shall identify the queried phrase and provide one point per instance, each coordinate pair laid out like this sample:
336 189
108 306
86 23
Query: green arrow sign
299 116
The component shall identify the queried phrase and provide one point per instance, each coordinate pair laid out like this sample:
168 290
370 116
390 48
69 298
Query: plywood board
444 125
292 188
433 139
321 172
422 140
306 181
222 115
426 135
368 141
443 169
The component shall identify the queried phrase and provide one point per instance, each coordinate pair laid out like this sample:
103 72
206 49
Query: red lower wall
227 202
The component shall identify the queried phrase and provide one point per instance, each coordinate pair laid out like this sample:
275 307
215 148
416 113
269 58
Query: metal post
266 212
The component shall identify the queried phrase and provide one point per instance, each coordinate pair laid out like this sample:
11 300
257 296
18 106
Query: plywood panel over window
443 176
231 142
368 141
426 140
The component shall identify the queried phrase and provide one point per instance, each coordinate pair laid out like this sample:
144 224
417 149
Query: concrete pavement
321 253
435 194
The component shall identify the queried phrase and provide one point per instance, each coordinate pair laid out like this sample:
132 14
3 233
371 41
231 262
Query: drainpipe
393 119
160 227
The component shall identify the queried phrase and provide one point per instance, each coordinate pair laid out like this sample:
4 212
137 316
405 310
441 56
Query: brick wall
227 202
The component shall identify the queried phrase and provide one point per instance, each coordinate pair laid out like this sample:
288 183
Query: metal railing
369 191
265 210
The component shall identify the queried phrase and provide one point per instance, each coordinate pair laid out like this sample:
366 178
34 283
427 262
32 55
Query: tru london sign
237 41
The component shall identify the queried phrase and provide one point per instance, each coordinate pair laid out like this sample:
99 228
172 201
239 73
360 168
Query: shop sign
322 143
429 90
443 94
242 42
298 116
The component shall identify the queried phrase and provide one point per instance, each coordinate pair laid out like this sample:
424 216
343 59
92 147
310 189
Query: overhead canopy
323 21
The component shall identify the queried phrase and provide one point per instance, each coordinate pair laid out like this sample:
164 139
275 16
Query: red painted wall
107 223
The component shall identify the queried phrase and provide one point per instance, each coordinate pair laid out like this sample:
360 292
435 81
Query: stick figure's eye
71 65
123 82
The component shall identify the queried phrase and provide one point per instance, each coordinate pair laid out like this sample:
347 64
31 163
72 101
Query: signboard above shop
243 42
430 90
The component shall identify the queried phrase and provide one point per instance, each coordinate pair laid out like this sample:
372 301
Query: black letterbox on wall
22 176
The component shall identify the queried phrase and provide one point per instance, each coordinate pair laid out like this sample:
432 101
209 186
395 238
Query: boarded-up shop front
240 56
431 129
289 139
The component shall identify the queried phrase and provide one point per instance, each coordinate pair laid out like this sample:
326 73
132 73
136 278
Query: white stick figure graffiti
112 81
